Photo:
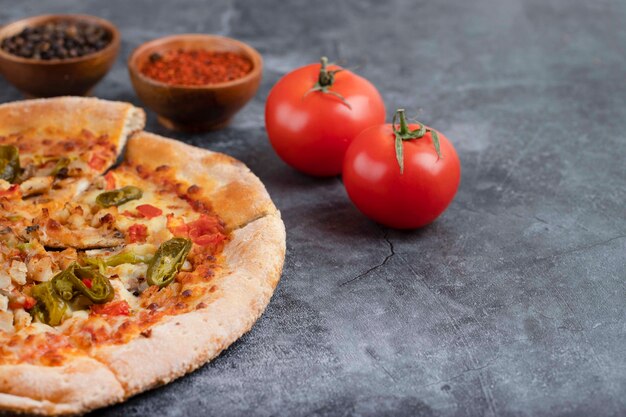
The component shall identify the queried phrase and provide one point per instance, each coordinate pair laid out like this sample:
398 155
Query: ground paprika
196 67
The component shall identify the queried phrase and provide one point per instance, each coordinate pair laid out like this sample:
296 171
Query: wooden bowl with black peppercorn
56 55
201 105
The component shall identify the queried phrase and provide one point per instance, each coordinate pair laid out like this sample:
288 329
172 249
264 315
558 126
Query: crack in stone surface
580 248
375 267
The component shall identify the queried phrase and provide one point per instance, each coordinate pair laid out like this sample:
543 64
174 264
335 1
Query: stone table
513 302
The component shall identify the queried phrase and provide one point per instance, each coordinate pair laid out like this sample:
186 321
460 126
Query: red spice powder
196 67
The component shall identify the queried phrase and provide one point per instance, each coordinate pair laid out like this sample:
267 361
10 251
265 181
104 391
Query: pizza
119 276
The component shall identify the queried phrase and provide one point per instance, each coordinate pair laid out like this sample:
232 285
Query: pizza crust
63 117
81 384
237 195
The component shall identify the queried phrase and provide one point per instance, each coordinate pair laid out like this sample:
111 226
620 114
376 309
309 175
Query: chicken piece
18 271
5 278
40 268
36 185
64 258
6 321
22 319
88 238
75 231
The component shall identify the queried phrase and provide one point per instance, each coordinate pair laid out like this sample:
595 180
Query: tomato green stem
325 80
404 127
404 133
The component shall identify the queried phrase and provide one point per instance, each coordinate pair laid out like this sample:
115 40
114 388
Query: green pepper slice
9 163
60 165
127 258
167 261
69 285
117 259
119 196
50 307
67 288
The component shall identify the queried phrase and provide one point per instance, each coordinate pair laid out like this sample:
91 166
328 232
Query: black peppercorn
57 40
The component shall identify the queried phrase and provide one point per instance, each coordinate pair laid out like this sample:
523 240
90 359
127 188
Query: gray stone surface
513 302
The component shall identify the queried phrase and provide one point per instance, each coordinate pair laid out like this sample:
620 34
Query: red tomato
311 130
205 231
113 308
97 163
11 193
137 233
402 200
110 181
149 211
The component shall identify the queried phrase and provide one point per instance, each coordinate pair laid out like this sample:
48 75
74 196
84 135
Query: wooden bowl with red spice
195 82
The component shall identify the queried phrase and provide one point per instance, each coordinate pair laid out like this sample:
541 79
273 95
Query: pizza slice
50 151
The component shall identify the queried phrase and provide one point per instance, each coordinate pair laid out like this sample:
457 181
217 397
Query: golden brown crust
80 385
237 196
63 117
254 259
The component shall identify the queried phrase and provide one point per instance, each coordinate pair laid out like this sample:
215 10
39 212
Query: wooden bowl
58 77
195 108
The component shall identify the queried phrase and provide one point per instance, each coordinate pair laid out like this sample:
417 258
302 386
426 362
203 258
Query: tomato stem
404 127
404 133
325 80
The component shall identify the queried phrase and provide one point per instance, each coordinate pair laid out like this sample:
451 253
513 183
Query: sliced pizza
50 152
175 252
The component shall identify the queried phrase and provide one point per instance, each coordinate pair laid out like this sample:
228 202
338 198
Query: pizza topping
119 286
73 226
137 233
119 259
177 226
167 261
114 308
11 193
132 215
149 211
21 318
86 281
110 181
6 321
119 196
50 308
40 267
35 185
76 286
97 163
206 231
18 271
4 302
9 163
60 168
